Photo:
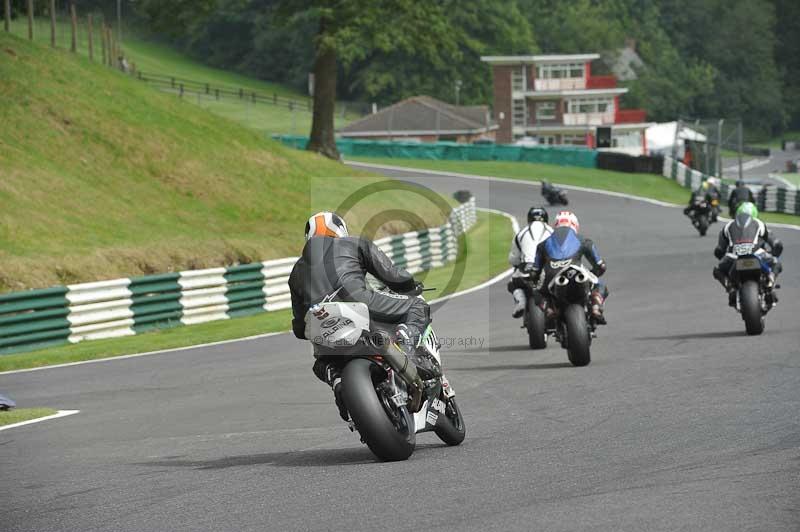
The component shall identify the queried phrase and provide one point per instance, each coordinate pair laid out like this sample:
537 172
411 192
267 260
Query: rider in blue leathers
566 244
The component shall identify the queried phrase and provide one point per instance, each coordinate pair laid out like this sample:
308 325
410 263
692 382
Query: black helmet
740 183
537 214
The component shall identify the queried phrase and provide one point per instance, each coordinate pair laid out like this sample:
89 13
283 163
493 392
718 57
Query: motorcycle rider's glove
777 248
417 290
600 269
527 267
719 253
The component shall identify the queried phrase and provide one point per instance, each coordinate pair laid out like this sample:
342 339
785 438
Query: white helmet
325 224
713 181
568 219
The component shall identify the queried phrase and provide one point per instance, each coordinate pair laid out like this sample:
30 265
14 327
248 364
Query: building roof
421 115
550 58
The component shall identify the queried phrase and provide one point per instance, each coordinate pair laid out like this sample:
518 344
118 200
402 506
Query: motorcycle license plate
748 264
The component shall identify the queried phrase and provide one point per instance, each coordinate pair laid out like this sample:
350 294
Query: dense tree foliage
702 58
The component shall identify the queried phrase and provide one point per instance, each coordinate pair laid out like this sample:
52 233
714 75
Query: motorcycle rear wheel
535 324
389 440
751 308
452 430
578 337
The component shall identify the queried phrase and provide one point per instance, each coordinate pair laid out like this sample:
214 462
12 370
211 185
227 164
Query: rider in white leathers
522 254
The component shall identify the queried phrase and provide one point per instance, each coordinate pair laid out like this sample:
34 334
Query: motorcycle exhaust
399 362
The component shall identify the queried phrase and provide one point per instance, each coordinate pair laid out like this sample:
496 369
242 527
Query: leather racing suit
521 257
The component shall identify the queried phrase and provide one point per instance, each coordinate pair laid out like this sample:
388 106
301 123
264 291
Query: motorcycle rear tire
379 433
578 337
702 224
535 324
751 308
452 430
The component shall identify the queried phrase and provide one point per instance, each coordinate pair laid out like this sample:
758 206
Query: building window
547 139
590 105
546 111
574 140
557 71
518 79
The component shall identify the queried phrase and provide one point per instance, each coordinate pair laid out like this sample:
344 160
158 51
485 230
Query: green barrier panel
453 151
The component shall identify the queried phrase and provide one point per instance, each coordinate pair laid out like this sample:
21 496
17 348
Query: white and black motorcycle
389 398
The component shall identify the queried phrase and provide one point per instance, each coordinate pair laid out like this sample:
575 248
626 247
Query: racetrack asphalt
681 422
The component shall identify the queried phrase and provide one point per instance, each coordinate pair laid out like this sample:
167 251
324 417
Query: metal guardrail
122 307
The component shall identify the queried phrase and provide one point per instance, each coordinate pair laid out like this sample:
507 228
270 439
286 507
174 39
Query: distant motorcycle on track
554 195
701 214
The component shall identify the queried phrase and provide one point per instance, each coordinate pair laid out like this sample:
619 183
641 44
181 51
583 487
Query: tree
349 30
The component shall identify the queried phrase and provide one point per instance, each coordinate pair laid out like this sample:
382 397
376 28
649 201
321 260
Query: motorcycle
389 398
570 321
749 277
701 213
554 195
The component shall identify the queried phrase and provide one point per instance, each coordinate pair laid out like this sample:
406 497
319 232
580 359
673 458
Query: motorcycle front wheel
387 430
578 338
451 430
751 308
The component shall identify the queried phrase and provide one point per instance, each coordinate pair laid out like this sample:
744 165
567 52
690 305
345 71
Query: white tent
661 137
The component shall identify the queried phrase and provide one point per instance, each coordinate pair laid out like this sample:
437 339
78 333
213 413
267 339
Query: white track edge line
60 413
422 171
514 225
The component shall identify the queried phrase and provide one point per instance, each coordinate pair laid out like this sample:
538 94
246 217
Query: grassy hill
101 176
154 58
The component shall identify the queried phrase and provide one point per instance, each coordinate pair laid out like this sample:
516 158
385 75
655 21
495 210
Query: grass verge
645 185
18 415
486 242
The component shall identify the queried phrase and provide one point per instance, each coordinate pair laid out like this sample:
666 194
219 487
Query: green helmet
748 209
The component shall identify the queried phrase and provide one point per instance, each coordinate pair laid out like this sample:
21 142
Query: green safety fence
453 151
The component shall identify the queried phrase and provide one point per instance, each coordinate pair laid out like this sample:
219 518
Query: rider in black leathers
333 261
739 195
710 193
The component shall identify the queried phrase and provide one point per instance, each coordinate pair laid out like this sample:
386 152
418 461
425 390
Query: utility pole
740 148
458 90
719 147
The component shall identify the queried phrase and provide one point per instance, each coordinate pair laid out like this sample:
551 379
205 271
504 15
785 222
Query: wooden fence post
216 93
90 31
30 20
103 40
181 95
74 47
53 23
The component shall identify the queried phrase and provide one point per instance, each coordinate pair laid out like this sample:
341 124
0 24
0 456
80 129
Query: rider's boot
330 374
732 298
597 307
519 303
721 277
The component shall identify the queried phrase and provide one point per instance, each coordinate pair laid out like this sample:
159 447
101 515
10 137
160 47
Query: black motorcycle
554 195
749 277
570 319
701 213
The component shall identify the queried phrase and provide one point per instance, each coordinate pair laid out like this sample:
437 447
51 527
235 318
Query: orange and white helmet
567 219
325 224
